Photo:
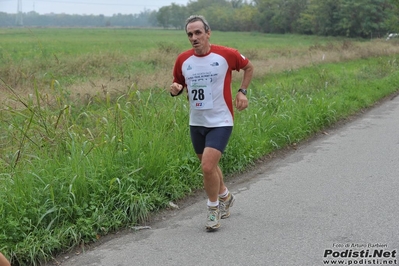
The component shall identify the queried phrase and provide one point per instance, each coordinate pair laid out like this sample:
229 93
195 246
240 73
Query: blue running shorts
216 137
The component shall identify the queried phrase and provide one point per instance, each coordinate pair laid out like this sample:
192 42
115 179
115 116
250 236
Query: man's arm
3 260
175 89
241 99
248 72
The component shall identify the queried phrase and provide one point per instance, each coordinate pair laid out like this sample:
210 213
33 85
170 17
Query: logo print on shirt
189 67
215 64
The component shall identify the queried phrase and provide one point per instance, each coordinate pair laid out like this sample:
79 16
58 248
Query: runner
205 72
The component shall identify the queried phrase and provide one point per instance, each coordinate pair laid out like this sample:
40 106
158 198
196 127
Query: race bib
201 95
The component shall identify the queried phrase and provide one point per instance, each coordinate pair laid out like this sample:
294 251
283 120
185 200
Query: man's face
199 39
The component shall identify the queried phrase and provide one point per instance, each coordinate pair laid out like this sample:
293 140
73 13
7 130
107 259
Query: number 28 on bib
200 96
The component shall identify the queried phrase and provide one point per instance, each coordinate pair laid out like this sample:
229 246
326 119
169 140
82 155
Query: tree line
349 18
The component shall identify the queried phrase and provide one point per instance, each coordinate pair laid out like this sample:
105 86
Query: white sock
213 204
224 194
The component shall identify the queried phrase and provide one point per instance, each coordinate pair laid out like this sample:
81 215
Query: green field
133 41
87 128
79 54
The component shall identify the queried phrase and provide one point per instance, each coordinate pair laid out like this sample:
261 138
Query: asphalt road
333 199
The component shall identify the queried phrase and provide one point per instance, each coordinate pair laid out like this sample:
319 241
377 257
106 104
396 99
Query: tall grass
288 107
72 170
74 173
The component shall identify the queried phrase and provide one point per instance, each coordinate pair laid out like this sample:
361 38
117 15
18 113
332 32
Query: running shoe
225 205
213 219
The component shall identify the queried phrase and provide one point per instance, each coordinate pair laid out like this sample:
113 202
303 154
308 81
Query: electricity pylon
19 20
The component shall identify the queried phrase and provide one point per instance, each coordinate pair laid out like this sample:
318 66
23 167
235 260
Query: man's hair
195 18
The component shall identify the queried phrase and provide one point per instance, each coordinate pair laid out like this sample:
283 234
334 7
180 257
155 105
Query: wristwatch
243 91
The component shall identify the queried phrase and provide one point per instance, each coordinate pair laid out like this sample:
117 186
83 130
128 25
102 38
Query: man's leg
222 187
209 144
213 177
209 164
3 260
212 189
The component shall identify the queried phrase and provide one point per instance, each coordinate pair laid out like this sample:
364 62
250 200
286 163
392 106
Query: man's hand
175 88
241 101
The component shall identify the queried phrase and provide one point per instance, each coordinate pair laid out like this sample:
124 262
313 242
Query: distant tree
352 18
395 3
7 20
279 16
163 16
236 3
320 17
178 15
152 18
244 17
197 7
362 17
219 17
392 20
143 19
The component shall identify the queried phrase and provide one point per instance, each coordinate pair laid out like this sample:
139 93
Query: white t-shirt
208 82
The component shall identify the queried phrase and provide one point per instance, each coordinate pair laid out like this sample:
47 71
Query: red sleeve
177 70
240 61
236 60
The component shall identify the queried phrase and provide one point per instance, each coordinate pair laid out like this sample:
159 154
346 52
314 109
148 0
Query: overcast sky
95 7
